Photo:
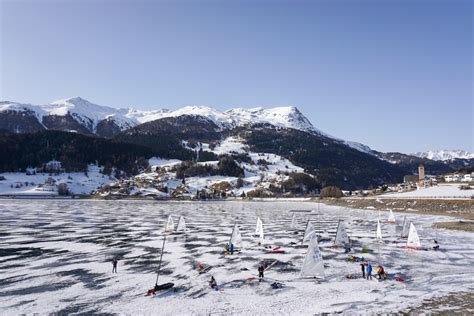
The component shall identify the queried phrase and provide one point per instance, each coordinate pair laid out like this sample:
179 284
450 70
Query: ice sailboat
413 241
259 230
313 265
378 235
294 222
391 217
309 232
164 286
405 227
169 224
342 238
236 238
181 228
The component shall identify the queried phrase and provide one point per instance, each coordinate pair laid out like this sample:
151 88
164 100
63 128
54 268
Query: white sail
170 224
405 227
258 226
313 264
413 239
259 229
181 225
293 222
236 238
379 232
341 235
309 232
391 217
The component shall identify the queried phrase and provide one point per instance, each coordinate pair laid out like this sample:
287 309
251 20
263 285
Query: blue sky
395 75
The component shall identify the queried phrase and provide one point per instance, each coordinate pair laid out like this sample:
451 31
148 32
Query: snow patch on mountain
445 155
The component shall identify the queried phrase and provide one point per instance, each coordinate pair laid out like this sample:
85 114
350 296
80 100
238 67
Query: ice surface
56 257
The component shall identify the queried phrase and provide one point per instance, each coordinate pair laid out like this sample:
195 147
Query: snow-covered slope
89 114
443 155
287 117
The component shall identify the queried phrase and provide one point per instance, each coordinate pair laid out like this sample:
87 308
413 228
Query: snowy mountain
79 115
445 155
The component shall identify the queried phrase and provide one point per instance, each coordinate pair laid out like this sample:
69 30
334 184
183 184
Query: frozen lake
55 256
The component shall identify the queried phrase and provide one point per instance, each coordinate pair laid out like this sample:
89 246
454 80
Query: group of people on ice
366 268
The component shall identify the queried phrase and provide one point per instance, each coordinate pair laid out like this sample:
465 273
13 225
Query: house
467 178
49 185
448 178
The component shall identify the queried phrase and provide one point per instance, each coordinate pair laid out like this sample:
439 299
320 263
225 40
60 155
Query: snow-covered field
18 183
440 191
56 257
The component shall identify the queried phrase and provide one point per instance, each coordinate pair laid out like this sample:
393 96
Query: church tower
421 172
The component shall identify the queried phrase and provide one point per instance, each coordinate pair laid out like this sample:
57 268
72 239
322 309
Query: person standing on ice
369 271
114 265
213 283
362 267
261 270
381 273
231 248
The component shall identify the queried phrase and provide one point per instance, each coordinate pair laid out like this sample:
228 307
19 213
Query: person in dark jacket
369 271
436 245
362 267
261 270
114 265
231 248
213 283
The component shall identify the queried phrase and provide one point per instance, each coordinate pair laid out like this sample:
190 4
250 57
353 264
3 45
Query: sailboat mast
161 259
231 235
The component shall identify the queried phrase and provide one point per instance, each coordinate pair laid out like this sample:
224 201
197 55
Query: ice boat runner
313 265
181 228
405 227
259 231
413 241
391 217
169 224
164 286
378 235
235 242
342 238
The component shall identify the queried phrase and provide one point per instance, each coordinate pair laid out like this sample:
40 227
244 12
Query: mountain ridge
445 155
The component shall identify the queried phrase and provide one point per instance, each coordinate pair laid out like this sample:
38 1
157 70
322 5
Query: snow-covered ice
56 257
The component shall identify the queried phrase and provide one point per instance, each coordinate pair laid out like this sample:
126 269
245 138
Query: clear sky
395 75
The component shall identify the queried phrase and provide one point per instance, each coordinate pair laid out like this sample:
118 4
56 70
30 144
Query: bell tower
421 172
